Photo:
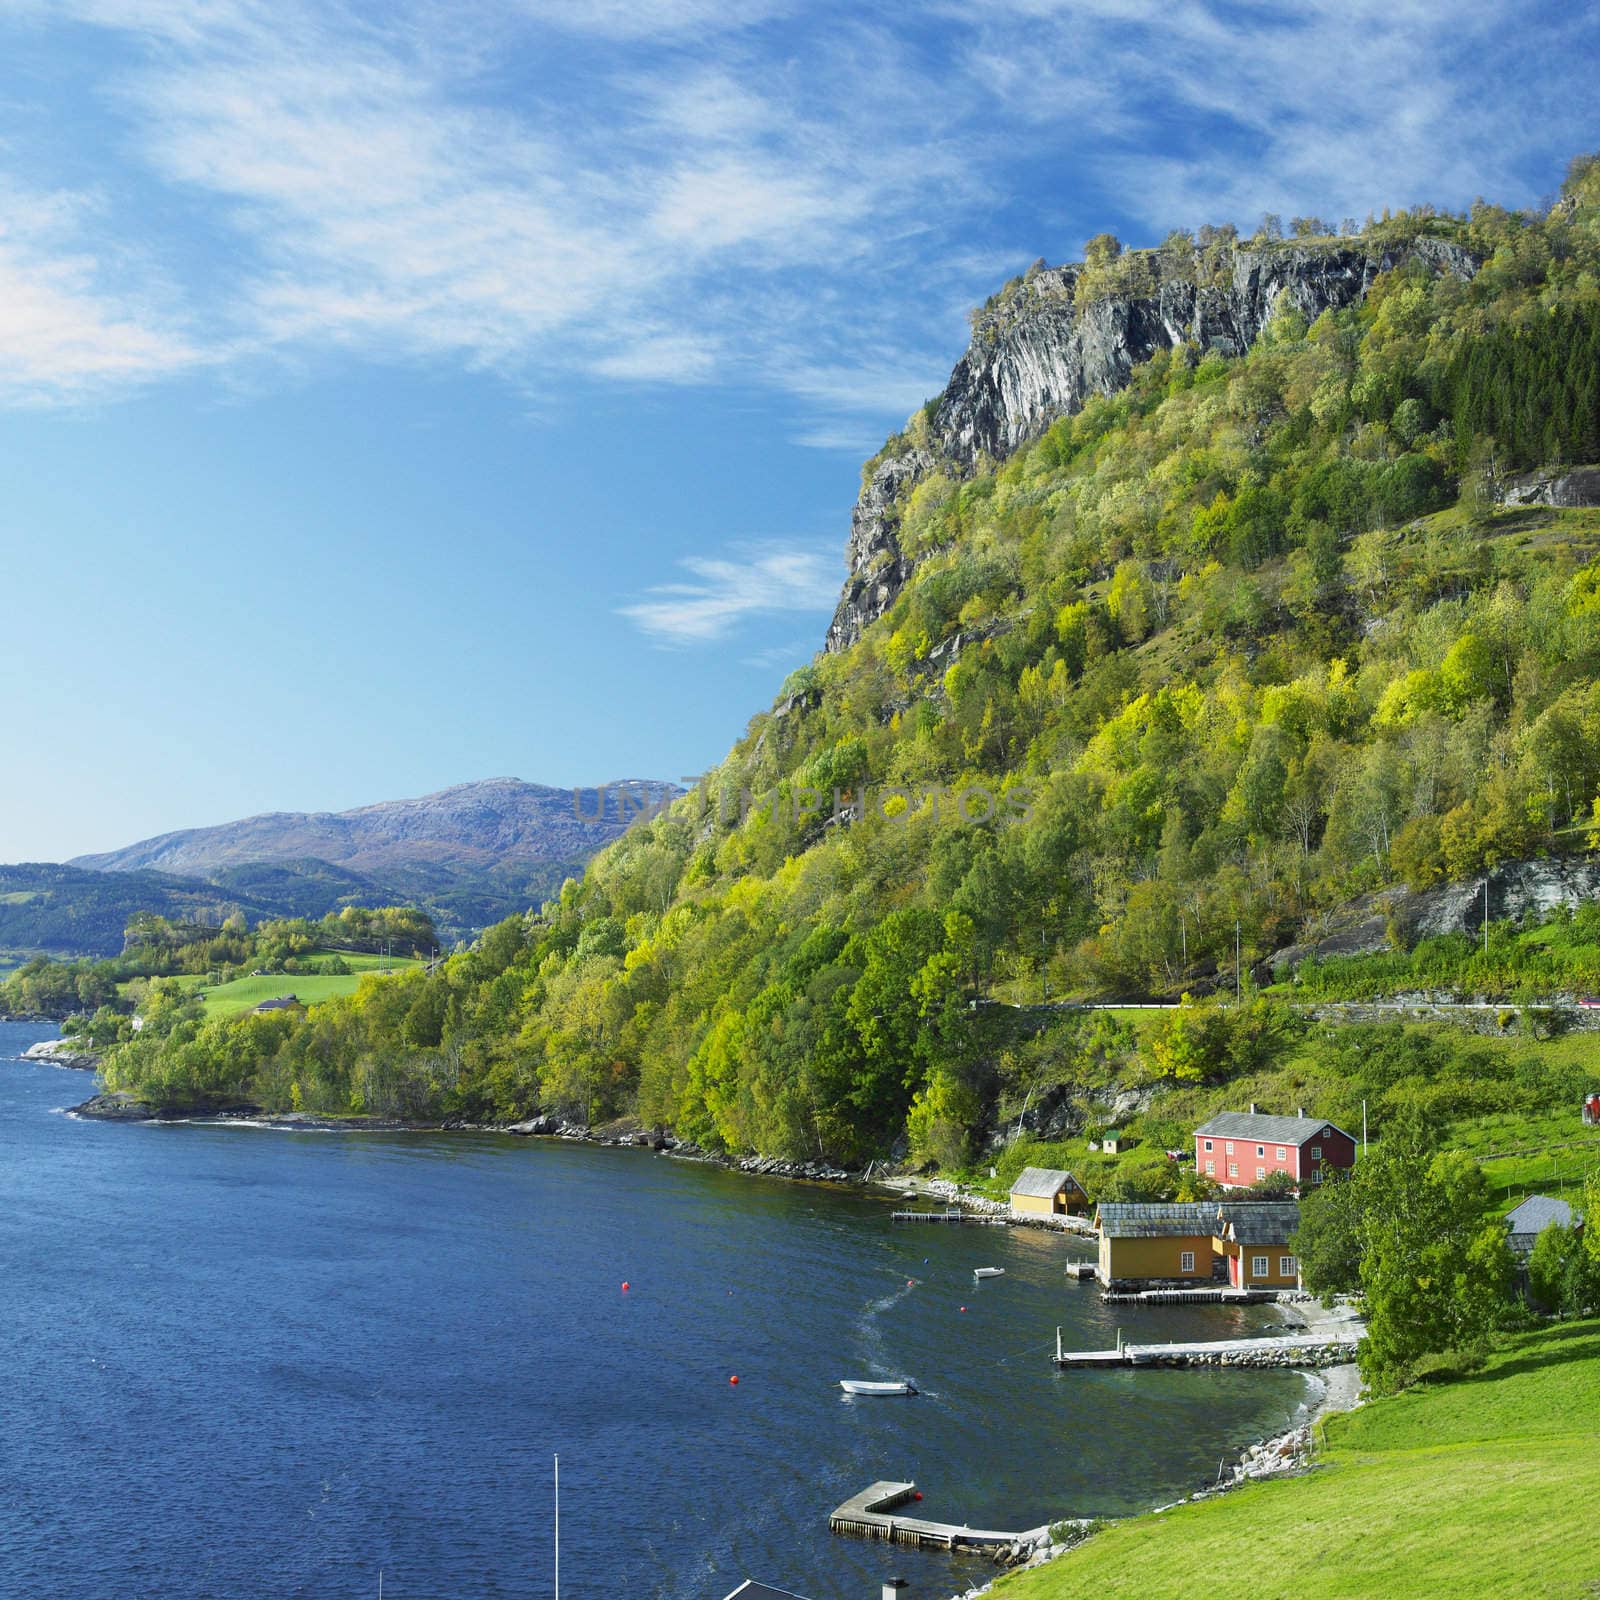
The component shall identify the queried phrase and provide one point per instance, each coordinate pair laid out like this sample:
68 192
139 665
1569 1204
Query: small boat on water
988 1272
862 1386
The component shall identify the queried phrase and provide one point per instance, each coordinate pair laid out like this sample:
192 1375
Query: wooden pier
1291 1350
975 1218
869 1515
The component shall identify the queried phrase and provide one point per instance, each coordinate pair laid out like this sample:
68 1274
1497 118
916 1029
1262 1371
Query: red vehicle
1588 1000
1591 1111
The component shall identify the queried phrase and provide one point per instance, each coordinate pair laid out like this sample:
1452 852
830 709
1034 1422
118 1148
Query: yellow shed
1145 1244
1046 1192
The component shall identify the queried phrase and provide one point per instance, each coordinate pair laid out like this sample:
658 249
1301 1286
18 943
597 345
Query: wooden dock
977 1218
870 1515
1290 1350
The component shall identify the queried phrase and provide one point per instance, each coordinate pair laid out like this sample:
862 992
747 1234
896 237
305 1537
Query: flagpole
558 1527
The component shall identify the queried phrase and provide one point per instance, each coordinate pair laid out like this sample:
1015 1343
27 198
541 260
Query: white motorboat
988 1272
862 1386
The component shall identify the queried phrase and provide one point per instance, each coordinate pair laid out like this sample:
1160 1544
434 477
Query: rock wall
1577 486
1038 355
1518 890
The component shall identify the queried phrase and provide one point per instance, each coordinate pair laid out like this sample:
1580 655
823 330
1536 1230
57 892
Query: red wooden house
1240 1148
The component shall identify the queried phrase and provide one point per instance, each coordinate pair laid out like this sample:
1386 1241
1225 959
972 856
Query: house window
1211 1169
1261 1172
1286 1266
1261 1151
1283 1155
1186 1261
1208 1144
1233 1169
1316 1152
1316 1174
1230 1147
1259 1266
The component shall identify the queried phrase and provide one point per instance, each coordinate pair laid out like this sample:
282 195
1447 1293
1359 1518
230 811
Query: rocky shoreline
62 1053
119 1106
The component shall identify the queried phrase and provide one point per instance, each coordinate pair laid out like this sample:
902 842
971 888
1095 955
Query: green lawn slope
1475 1487
230 999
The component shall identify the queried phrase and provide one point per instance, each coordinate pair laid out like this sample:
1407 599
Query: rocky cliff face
1577 486
1038 354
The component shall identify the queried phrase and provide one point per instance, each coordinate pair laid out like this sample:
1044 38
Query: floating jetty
870 1515
974 1218
1292 1350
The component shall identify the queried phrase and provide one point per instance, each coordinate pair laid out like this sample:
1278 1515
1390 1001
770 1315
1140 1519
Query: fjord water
245 1362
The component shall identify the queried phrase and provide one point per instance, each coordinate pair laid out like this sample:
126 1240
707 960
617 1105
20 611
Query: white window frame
1286 1267
1211 1169
1283 1154
1260 1266
1316 1152
1186 1261
1316 1174
1233 1169
1261 1172
1208 1144
1261 1152
1230 1147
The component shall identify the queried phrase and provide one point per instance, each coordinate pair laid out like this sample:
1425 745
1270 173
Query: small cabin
1525 1222
1047 1192
1255 1242
282 1002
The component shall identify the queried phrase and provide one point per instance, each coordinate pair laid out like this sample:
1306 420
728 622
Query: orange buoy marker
734 1380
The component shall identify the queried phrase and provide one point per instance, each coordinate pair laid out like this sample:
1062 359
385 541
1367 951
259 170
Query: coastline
1330 1390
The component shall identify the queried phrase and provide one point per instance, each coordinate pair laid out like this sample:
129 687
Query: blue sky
404 394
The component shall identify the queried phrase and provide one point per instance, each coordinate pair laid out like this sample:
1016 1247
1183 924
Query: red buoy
624 1285
963 1308
734 1380
917 1495
911 1283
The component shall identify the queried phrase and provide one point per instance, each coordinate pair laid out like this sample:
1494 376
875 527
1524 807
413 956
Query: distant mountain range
469 855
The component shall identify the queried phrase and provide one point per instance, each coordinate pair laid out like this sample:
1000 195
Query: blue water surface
245 1362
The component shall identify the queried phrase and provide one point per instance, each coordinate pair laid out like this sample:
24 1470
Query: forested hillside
1239 636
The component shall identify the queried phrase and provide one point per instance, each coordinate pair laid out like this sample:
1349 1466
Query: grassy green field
230 999
1477 1486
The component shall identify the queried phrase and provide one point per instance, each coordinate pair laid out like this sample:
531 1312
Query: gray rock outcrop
1039 352
1574 486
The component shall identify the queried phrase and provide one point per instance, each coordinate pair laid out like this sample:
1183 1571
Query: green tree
1327 1243
1435 1272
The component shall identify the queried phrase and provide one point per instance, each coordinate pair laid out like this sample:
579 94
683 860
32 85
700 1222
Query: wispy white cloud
725 591
794 194
72 323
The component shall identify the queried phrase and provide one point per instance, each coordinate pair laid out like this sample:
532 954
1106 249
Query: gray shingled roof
1264 1129
1127 1221
1536 1213
1263 1221
1041 1183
